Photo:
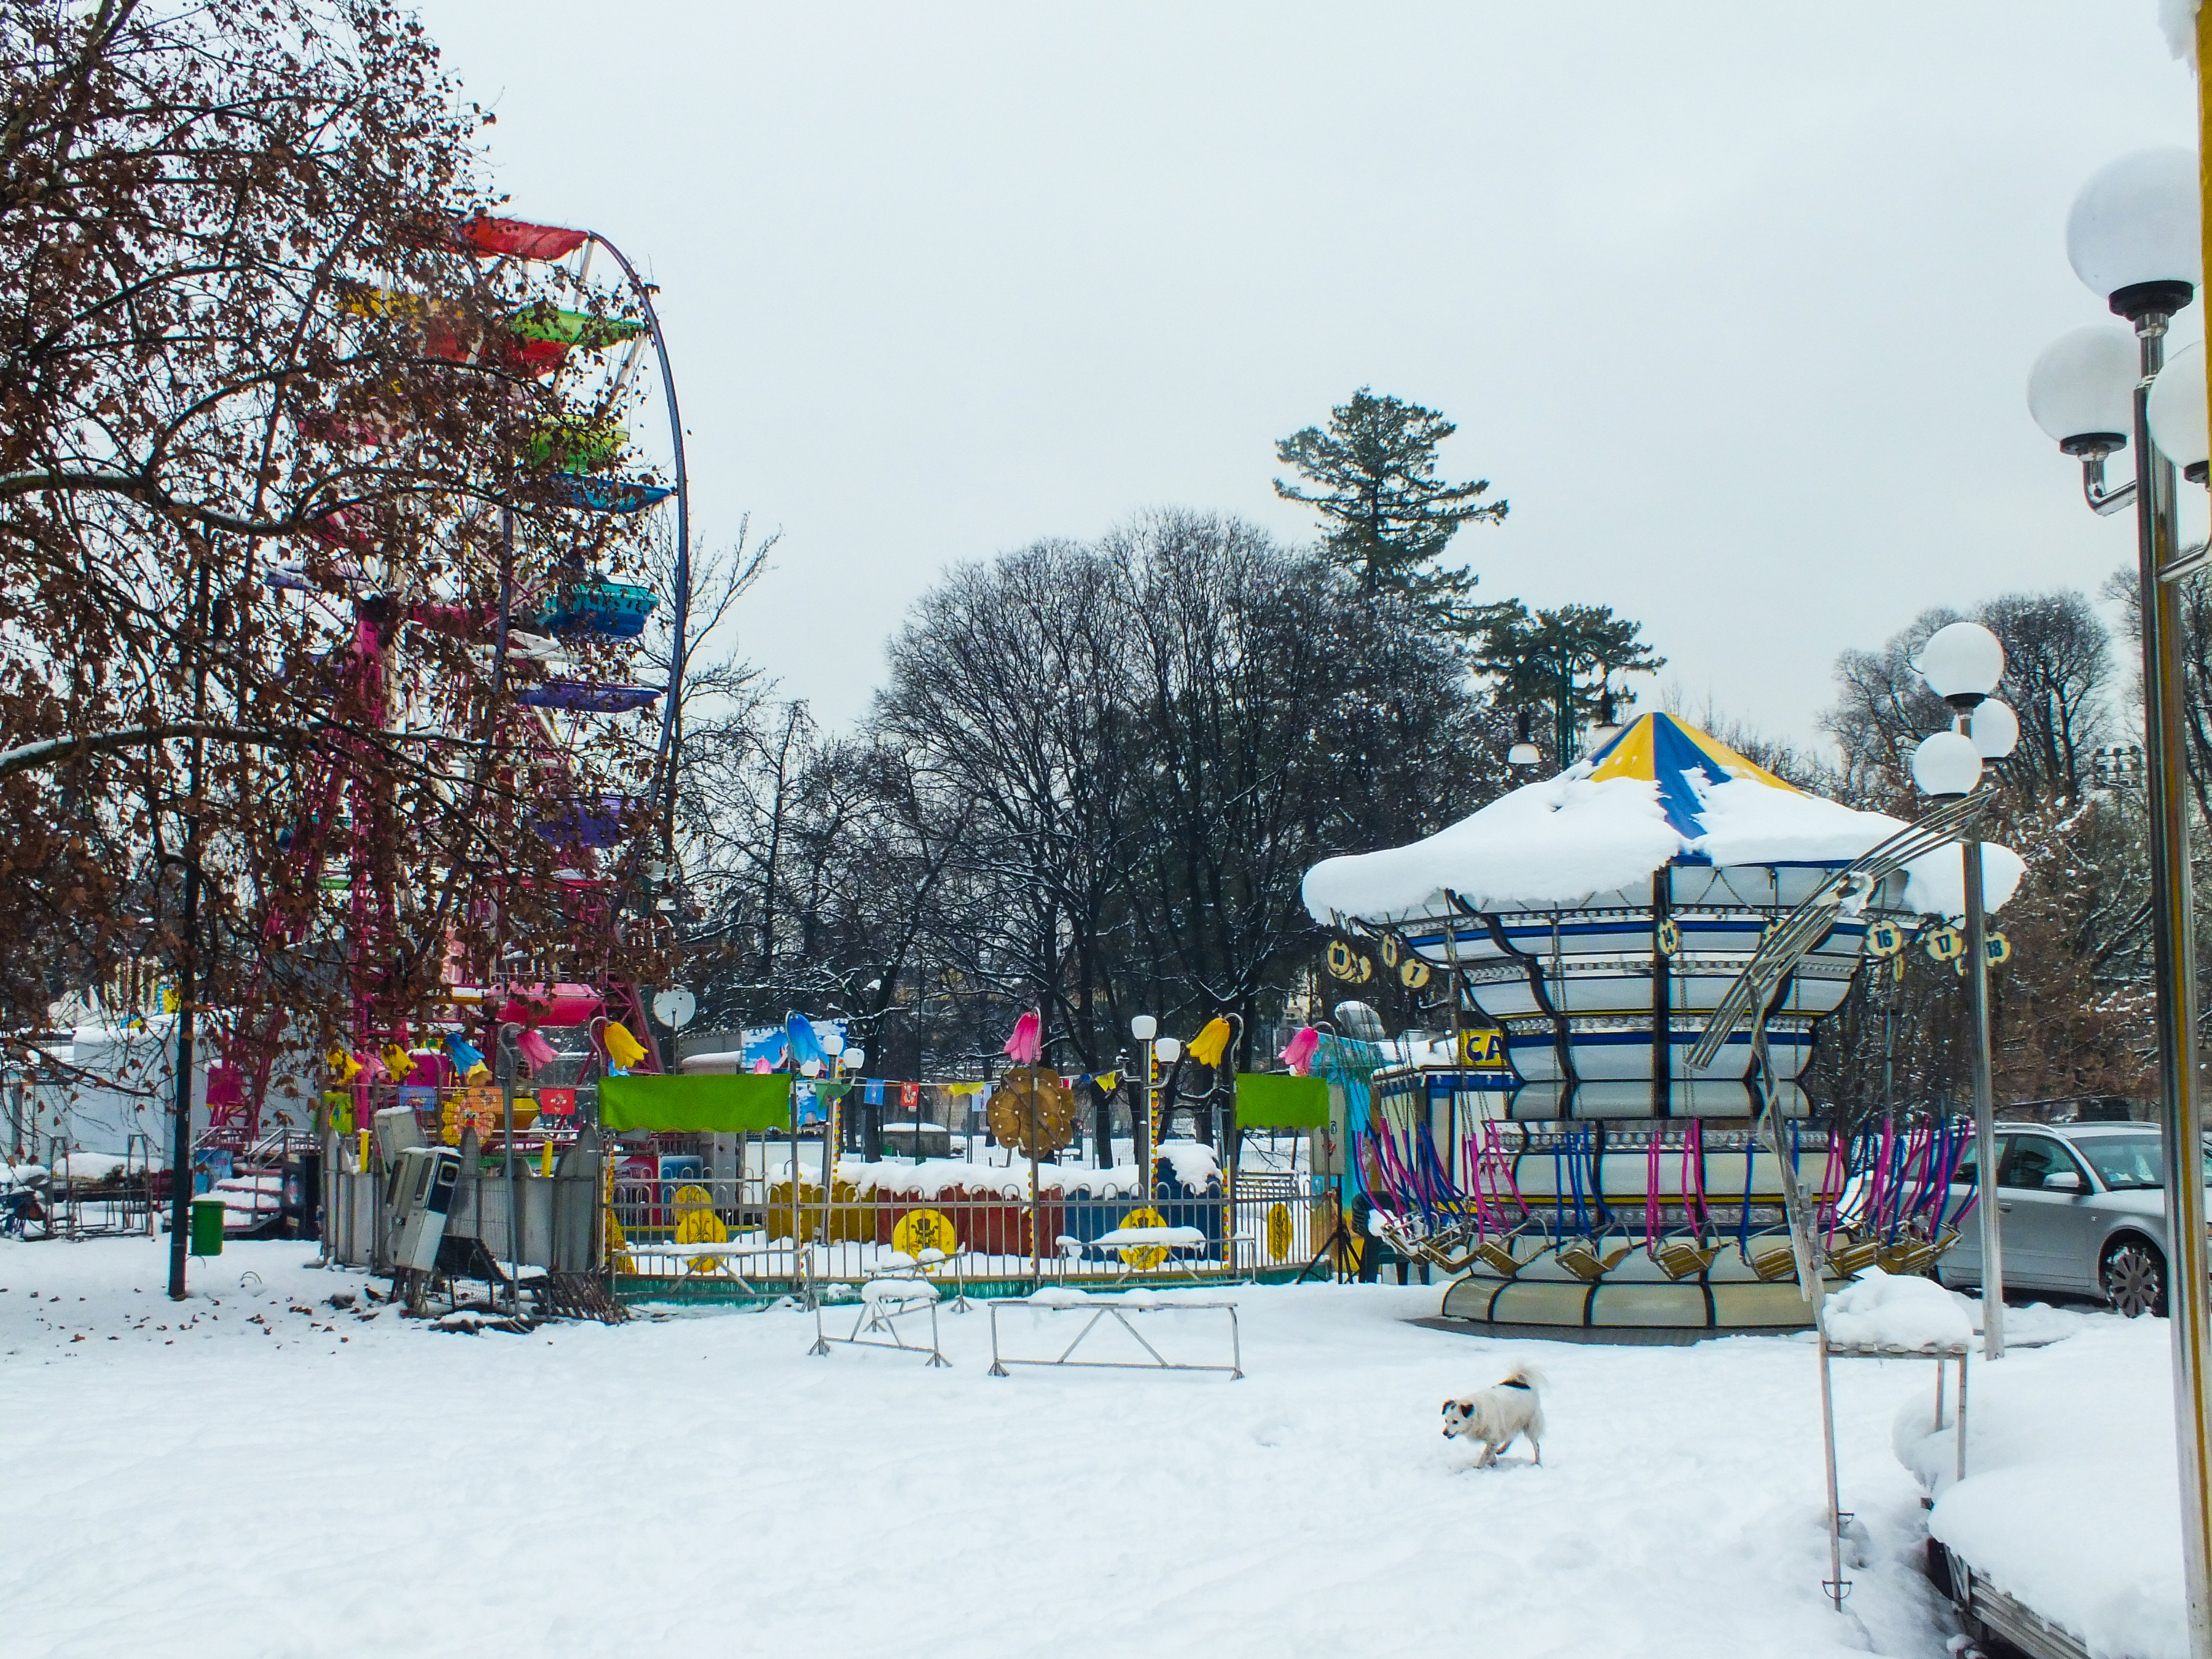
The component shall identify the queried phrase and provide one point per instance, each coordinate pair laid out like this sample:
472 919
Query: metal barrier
683 1235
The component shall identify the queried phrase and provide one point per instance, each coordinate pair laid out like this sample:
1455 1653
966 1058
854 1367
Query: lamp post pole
1985 1130
2135 237
1962 664
2189 1295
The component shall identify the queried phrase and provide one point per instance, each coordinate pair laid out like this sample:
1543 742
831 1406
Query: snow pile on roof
1892 1311
2070 1503
1658 790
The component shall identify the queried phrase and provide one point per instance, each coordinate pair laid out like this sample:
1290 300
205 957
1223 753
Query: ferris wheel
570 674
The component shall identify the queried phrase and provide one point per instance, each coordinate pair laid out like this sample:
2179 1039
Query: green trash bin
207 1226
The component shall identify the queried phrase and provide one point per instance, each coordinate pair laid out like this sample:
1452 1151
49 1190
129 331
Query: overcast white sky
1734 302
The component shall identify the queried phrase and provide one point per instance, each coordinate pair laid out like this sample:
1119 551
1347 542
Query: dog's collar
1523 1387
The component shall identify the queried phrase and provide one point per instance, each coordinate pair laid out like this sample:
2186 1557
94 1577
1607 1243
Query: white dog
1497 1416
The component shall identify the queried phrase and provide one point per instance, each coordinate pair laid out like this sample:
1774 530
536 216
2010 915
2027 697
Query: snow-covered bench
1119 1306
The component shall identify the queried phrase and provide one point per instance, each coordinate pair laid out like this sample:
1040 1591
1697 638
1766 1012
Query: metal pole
2189 1297
513 1217
1985 1129
180 1145
1835 1584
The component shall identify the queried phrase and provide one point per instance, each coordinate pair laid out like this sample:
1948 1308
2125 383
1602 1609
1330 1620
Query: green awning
725 1104
1276 1100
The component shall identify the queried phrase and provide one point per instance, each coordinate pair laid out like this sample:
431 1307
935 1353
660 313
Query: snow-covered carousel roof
1659 791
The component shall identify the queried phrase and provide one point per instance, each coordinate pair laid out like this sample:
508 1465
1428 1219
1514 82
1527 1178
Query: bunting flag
909 1095
873 1092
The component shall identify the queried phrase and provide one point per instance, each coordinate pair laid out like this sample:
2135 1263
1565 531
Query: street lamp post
1144 1027
1962 664
2134 237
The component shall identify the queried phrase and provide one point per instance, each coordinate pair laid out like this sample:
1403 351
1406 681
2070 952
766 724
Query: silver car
2080 1208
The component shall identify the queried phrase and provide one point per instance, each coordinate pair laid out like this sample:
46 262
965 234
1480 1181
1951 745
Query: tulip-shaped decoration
804 1046
468 1058
537 1053
1299 1051
1209 1045
397 1063
1026 1046
621 1047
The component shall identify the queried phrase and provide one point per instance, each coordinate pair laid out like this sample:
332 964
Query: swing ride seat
1770 1267
1679 1259
1498 1257
1854 1259
1916 1255
1582 1259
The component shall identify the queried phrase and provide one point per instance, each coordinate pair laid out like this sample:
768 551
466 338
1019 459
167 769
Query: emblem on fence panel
925 1229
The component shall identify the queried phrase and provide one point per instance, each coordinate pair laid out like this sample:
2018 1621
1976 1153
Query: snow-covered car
2081 1208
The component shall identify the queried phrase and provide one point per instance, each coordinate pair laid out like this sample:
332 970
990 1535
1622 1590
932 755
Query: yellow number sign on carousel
925 1229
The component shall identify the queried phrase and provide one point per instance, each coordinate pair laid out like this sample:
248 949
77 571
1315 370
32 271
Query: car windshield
2124 1162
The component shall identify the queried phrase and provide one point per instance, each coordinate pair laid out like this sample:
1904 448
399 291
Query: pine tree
1372 475
1561 660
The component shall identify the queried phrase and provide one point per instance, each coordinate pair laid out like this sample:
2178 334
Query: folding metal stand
1836 1585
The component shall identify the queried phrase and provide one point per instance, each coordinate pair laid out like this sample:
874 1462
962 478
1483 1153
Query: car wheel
2134 1278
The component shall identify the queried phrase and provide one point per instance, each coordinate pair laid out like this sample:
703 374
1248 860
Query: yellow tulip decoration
622 1048
1208 1046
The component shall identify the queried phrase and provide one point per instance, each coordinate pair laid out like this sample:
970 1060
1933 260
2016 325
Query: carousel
1635 956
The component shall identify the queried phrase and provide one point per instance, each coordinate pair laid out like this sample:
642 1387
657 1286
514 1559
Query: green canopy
726 1104
1276 1100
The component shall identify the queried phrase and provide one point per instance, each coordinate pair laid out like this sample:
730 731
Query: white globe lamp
1994 728
1946 763
1144 1027
2132 233
2081 390
2177 411
1962 663
1169 1050
856 1058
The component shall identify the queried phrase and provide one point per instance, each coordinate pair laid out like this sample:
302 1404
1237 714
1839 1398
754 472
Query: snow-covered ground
255 1473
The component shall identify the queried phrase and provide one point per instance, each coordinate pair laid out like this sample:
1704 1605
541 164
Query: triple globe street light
1962 664
2134 238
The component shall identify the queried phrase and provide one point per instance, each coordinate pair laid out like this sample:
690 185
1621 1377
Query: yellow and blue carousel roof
1684 763
1658 791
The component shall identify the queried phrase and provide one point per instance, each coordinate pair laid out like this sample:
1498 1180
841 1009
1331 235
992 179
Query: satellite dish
674 1007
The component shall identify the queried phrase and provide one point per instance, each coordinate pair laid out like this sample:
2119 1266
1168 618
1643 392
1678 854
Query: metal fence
690 1235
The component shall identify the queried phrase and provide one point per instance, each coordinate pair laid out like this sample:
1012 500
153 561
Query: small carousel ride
1635 955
